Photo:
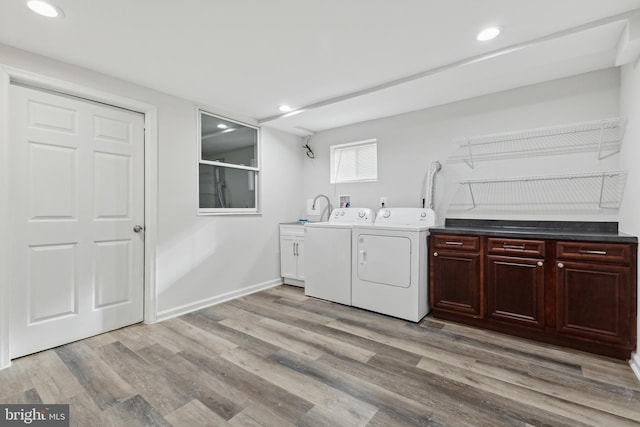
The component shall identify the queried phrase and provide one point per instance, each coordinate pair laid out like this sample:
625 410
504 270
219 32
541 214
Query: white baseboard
635 364
197 305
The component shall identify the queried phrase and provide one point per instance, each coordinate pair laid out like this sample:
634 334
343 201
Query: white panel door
77 191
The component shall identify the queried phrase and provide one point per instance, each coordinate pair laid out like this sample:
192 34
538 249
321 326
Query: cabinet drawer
292 230
499 246
452 241
589 251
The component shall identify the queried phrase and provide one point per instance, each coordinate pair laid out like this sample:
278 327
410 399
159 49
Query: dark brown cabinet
594 292
515 281
457 278
569 293
515 290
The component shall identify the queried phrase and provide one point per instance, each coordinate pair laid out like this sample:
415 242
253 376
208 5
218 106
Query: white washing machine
327 262
389 260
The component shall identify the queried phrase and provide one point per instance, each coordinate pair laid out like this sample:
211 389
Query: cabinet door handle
454 243
540 263
518 247
295 247
586 251
435 254
560 265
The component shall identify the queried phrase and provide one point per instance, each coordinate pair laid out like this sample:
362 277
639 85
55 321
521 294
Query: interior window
354 162
228 166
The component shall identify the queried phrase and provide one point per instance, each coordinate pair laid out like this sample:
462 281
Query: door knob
138 228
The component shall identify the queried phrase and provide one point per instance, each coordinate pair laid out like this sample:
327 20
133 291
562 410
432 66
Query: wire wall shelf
588 193
602 136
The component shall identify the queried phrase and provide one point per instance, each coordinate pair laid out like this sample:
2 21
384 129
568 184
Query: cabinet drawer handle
435 254
586 251
518 247
560 265
454 243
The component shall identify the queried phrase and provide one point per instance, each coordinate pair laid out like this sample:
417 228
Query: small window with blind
354 162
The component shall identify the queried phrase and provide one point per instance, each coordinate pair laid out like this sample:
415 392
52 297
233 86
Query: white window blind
354 162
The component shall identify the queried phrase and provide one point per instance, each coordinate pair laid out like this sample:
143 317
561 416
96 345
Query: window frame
333 173
256 169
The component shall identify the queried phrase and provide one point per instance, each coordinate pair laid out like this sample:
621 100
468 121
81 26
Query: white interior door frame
7 76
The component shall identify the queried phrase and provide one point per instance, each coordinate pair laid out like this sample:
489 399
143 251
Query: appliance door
327 263
384 259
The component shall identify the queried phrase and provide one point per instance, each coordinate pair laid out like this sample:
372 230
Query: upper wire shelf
603 136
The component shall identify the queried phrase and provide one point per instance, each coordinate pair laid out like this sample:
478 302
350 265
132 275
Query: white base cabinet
292 254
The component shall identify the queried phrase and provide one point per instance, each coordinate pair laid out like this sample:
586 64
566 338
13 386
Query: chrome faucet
329 207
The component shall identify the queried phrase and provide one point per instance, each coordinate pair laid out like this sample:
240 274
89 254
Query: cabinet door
593 301
515 290
288 258
456 282
300 258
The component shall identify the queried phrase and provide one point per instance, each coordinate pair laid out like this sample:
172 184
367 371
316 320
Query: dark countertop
557 230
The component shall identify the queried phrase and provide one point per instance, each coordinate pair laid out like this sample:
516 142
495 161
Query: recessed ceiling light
488 34
45 9
285 108
222 126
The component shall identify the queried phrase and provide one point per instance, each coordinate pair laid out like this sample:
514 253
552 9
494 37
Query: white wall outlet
383 201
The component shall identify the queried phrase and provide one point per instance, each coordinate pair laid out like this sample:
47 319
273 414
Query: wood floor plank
280 358
342 407
256 330
562 408
83 412
211 342
51 377
197 384
134 412
323 343
149 382
267 305
239 338
195 413
379 396
135 337
444 391
279 402
97 378
16 379
259 415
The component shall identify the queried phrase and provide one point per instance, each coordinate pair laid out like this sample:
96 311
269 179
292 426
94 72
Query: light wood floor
278 358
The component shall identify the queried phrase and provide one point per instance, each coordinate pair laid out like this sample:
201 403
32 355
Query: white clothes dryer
390 263
327 261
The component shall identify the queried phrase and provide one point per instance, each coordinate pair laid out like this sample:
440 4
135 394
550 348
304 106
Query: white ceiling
340 61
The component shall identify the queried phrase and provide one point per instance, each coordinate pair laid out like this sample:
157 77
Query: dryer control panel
405 216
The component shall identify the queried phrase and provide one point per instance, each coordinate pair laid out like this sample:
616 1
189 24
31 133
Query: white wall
200 258
630 210
408 143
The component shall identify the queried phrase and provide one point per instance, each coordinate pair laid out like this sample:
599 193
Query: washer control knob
336 213
341 213
386 214
362 214
423 214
